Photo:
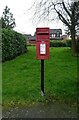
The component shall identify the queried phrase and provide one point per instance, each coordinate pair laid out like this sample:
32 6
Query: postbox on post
42 50
42 43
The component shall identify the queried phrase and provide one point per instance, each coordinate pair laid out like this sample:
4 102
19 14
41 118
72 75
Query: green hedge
13 44
60 43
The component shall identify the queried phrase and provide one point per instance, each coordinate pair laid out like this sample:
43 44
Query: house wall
32 42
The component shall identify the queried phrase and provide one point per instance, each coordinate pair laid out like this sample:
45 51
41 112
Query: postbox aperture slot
42 33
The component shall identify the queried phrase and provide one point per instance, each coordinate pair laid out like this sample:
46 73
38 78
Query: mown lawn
21 78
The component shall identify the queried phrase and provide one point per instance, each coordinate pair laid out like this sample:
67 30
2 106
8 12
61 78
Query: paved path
52 110
0 112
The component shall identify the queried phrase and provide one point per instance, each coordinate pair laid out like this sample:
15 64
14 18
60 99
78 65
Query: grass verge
21 78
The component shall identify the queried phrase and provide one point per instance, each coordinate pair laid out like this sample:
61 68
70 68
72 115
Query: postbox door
42 50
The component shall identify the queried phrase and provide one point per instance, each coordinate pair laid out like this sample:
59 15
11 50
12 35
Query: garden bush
57 43
13 44
68 43
60 43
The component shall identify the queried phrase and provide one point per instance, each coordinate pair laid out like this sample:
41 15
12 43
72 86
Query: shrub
68 42
60 43
13 44
57 43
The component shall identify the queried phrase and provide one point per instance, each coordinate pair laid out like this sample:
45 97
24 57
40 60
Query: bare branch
65 8
61 17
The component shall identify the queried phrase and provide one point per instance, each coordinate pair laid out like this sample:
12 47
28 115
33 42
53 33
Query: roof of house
54 31
32 38
28 35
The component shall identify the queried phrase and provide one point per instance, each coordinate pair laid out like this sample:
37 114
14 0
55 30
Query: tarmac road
51 110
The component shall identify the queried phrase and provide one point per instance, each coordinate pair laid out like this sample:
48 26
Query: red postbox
42 43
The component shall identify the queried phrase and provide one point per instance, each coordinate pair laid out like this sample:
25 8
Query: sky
23 16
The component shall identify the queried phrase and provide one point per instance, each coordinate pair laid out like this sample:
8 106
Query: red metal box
42 43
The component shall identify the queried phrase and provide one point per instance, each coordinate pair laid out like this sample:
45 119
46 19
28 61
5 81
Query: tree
65 10
76 15
7 19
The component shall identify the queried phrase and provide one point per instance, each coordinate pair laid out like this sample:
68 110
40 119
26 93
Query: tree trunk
74 45
73 31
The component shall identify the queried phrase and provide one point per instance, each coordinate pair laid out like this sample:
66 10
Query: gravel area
0 112
51 110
